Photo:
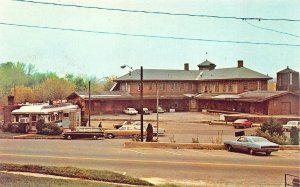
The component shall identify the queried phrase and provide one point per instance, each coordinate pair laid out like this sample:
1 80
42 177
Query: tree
294 135
55 88
23 94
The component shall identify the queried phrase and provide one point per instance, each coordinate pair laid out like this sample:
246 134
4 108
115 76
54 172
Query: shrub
172 139
272 127
276 138
195 140
7 127
51 129
40 124
218 139
294 135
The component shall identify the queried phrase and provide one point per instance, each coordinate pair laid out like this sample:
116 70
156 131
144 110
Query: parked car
118 125
130 111
288 126
159 110
161 131
251 144
146 111
84 132
125 131
242 123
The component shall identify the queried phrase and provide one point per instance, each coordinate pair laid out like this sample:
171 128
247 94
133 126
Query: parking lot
183 126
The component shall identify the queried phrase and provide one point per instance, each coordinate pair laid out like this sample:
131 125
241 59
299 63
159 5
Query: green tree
294 135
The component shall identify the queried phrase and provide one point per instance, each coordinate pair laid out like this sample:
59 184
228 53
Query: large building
237 89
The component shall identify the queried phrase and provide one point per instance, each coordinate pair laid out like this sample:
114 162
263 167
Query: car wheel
229 148
234 127
95 137
110 136
251 152
268 153
69 137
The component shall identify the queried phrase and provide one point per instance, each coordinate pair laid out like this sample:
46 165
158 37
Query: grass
72 172
15 180
8 135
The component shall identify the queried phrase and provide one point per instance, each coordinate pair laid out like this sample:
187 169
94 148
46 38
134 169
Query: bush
294 135
40 124
7 127
15 128
276 138
47 128
51 129
272 127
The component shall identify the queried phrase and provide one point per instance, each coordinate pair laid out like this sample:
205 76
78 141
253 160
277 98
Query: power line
148 36
158 12
268 29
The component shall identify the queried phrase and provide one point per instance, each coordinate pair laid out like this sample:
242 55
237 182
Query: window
150 86
191 86
162 86
173 85
182 86
33 118
245 86
217 87
66 115
224 88
258 85
230 88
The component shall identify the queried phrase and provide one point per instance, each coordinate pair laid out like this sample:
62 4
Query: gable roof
193 75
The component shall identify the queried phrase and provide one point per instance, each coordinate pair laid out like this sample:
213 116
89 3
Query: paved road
185 167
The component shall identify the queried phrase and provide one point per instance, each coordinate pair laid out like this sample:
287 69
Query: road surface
184 167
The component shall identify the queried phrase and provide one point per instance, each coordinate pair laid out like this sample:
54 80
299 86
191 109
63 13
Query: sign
239 133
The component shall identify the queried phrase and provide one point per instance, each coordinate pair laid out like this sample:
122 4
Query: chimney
186 67
240 63
11 100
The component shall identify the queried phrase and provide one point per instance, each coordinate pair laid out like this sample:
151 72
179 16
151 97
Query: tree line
27 84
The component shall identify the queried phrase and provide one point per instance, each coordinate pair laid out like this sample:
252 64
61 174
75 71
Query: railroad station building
236 89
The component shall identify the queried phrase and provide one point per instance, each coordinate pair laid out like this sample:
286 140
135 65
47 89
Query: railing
291 180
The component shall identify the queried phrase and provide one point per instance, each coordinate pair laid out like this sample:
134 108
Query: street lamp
141 99
89 90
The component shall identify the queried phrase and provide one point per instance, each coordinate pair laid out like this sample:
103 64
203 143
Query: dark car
85 132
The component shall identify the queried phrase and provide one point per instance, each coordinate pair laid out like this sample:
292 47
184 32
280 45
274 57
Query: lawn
15 180
72 172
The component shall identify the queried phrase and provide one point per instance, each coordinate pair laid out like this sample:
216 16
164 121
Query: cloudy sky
102 54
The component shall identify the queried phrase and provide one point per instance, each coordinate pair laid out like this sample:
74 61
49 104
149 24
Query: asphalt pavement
183 167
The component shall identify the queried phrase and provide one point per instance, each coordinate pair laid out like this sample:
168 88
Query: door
285 108
193 105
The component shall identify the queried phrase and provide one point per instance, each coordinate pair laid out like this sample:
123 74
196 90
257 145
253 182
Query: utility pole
157 104
89 103
142 105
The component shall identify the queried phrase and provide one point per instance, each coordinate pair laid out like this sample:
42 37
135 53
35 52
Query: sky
101 55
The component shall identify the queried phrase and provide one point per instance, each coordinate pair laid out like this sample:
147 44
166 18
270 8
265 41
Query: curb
174 145
208 146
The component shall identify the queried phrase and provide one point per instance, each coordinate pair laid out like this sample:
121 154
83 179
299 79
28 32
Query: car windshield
259 140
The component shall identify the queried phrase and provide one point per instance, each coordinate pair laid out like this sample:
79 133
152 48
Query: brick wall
284 105
165 87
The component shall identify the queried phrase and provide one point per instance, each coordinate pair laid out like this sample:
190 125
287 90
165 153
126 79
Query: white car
130 111
290 124
161 131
